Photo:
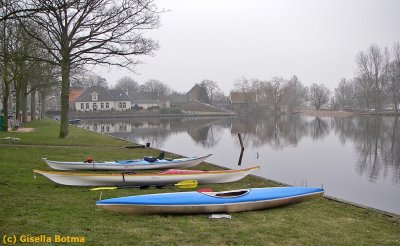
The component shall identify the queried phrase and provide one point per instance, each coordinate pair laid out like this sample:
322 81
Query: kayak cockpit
227 194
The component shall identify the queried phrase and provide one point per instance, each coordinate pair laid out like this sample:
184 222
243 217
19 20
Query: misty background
225 41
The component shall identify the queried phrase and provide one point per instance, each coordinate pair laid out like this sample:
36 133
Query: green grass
39 207
46 133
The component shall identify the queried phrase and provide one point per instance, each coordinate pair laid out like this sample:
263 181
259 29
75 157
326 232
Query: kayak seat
128 172
150 159
231 194
234 193
88 159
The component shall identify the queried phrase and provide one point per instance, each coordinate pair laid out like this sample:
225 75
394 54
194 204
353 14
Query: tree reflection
377 143
277 131
318 128
208 136
206 132
376 139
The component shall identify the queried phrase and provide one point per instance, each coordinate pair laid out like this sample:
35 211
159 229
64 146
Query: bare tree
260 88
44 78
6 35
363 92
294 93
394 76
318 95
372 66
89 79
275 92
211 87
129 85
17 7
344 94
242 85
155 89
80 32
219 96
203 93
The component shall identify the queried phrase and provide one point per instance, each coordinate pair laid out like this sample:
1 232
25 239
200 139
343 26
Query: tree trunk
24 107
5 104
17 105
42 104
65 84
33 105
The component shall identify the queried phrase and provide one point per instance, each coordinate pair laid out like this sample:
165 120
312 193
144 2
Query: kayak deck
211 202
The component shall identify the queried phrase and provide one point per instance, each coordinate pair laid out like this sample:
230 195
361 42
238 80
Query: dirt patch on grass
22 130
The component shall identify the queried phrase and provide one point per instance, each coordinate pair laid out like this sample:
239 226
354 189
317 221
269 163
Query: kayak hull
226 206
127 165
129 179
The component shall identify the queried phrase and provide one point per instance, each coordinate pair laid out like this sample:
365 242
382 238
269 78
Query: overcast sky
225 40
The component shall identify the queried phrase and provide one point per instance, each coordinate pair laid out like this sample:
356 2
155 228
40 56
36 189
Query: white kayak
161 178
120 165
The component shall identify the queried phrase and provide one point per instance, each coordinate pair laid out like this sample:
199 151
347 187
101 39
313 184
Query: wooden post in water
240 157
241 151
240 140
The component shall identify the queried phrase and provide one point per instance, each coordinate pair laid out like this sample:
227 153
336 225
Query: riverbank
339 113
38 207
145 114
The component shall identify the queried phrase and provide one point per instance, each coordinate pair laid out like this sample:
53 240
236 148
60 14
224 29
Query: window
120 105
107 105
101 105
124 104
95 96
82 106
94 106
87 105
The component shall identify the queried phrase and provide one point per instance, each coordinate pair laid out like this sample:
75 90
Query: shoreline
122 115
341 113
316 113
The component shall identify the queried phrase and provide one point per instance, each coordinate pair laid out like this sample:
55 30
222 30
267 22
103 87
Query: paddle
185 184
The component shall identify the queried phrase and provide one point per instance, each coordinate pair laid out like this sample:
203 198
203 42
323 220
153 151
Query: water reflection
376 140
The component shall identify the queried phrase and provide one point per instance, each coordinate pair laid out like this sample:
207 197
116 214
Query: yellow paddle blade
187 184
105 188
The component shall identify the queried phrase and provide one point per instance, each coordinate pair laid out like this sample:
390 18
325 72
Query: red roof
74 93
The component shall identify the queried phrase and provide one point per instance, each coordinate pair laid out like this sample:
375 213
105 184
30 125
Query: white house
145 104
97 98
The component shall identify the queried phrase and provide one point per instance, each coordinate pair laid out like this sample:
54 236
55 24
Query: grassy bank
39 207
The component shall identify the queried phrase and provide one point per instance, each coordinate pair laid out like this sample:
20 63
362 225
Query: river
355 158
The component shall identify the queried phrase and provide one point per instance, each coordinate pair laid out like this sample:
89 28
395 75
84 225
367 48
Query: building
97 98
195 94
145 104
74 93
174 102
243 101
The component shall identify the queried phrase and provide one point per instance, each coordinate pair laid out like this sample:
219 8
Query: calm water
355 158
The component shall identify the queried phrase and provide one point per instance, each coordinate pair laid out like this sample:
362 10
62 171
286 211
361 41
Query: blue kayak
210 202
